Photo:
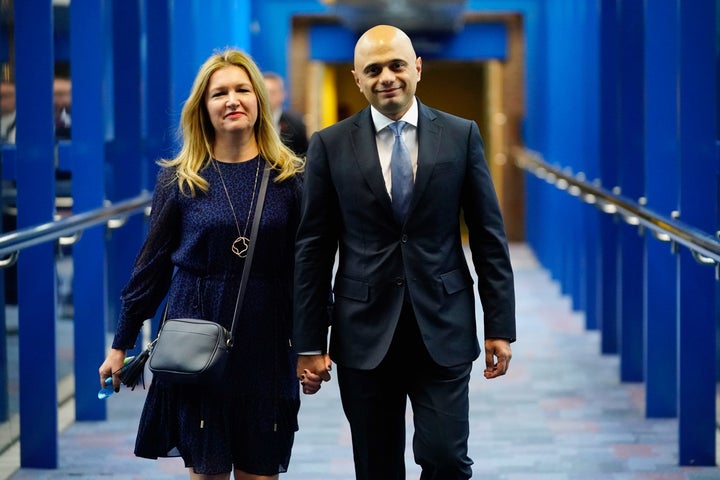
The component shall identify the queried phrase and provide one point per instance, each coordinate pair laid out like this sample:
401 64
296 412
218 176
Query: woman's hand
112 363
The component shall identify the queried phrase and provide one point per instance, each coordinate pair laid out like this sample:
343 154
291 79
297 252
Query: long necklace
242 242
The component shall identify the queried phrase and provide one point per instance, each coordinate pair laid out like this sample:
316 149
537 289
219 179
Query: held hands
312 370
112 363
497 357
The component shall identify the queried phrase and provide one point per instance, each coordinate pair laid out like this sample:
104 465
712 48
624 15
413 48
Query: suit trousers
374 402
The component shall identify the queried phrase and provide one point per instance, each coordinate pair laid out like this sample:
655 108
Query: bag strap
251 249
248 257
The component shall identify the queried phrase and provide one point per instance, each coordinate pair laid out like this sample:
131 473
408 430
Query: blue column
661 174
559 215
578 54
609 153
591 147
124 151
36 204
160 133
89 49
631 175
184 59
536 196
698 207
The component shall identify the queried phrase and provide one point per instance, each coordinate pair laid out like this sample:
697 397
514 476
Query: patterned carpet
560 414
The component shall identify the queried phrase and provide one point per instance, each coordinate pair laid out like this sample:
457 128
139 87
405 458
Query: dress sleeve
153 268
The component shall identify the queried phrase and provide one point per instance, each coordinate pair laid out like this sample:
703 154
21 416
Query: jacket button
404 238
399 282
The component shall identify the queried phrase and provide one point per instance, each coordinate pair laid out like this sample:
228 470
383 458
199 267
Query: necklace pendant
240 246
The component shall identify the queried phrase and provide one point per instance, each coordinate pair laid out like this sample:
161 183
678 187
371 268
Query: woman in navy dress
202 213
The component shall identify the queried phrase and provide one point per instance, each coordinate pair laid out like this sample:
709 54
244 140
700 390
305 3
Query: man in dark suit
289 124
403 321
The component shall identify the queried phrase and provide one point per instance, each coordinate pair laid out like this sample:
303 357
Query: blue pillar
124 151
568 133
699 208
631 176
559 220
184 59
160 134
609 154
36 204
161 129
661 174
89 49
591 148
579 53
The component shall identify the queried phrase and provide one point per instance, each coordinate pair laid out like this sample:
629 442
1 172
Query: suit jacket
346 205
293 132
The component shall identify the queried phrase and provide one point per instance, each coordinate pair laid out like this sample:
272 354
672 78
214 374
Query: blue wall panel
271 23
475 42
197 30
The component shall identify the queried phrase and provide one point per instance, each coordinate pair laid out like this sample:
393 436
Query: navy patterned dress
249 420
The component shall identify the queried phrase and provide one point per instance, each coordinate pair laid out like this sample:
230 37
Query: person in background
388 186
62 103
7 111
202 208
289 124
9 217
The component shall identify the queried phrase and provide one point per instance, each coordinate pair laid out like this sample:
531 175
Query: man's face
276 92
387 72
7 97
62 94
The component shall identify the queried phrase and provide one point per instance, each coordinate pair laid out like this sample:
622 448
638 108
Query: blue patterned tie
401 173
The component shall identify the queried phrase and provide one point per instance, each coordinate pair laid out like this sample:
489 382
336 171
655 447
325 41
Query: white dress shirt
385 138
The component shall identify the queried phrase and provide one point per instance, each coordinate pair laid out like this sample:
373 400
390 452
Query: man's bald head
383 35
387 69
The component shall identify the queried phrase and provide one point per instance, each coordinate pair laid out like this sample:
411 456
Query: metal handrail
112 215
704 248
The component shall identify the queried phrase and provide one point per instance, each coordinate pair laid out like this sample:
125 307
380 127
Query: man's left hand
497 357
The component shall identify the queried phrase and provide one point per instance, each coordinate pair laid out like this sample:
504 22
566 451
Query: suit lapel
364 146
429 133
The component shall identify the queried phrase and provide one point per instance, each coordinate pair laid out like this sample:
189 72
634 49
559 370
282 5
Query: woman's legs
239 475
200 476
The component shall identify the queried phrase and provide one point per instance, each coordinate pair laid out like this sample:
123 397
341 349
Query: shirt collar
381 121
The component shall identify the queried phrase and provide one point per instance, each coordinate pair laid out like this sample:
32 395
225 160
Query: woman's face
231 101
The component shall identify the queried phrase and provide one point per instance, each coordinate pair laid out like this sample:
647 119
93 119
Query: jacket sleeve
153 268
488 243
315 249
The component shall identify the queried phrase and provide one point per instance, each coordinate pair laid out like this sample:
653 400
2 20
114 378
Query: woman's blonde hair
197 133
